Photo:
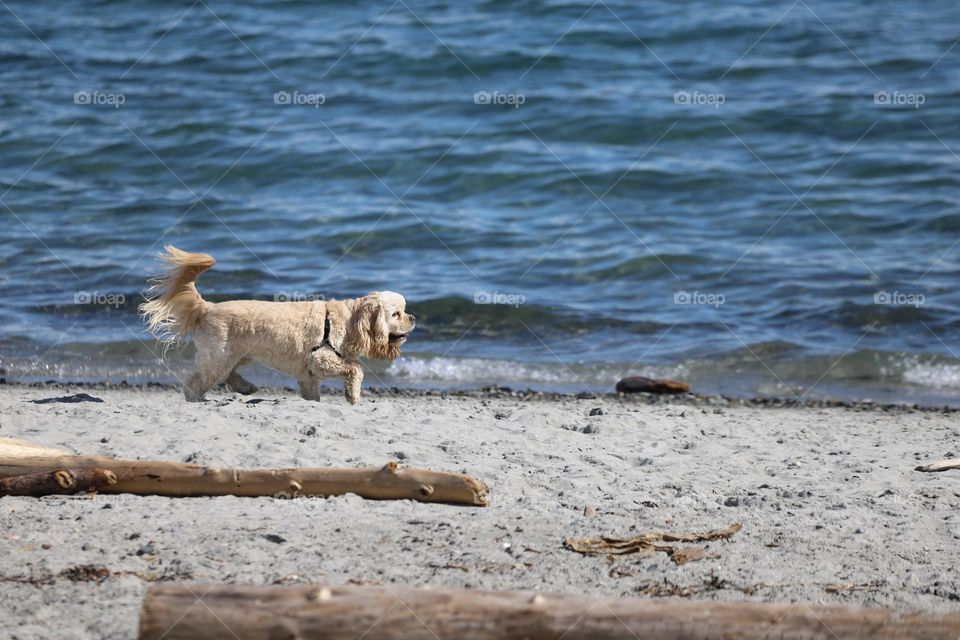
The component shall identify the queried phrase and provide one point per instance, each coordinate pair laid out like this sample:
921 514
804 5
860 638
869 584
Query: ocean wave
763 369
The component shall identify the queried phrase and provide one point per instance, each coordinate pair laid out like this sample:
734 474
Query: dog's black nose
412 317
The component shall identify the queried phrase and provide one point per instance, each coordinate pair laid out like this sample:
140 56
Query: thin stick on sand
150 477
942 465
348 612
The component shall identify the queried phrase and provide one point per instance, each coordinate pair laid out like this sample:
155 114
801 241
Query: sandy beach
831 508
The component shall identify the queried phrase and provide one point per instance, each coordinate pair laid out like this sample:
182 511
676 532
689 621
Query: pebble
147 549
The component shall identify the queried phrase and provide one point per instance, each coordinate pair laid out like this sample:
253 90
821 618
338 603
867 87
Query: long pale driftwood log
59 482
349 612
149 477
942 465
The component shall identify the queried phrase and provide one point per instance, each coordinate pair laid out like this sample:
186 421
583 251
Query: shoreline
529 394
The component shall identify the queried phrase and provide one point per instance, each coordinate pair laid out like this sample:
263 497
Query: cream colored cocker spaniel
307 340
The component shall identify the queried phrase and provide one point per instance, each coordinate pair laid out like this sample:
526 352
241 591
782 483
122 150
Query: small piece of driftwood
349 612
639 384
59 482
651 542
149 477
942 465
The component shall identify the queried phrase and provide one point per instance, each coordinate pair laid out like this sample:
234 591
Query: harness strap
325 341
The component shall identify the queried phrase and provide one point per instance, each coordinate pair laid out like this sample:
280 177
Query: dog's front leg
352 379
309 389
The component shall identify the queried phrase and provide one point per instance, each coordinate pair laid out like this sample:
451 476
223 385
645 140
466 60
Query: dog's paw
352 398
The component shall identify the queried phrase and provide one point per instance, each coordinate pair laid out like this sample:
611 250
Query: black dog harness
325 342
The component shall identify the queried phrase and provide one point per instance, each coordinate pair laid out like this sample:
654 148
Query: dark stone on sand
596 411
272 537
591 429
732 501
77 397
640 384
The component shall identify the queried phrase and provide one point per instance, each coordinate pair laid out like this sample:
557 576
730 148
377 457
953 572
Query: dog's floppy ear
368 333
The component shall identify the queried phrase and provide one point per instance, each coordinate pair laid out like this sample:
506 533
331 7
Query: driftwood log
639 384
351 612
148 477
61 481
942 465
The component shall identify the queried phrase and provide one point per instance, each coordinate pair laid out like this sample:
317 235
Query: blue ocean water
758 197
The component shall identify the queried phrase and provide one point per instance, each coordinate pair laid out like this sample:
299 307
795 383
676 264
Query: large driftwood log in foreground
148 477
61 481
349 612
943 465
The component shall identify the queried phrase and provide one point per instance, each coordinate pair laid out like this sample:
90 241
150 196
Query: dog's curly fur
307 340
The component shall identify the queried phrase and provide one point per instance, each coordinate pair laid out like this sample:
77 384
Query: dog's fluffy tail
174 306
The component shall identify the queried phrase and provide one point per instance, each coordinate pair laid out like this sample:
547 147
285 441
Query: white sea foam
479 371
936 375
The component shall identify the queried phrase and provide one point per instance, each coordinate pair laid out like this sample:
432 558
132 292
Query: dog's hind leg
212 367
238 383
201 382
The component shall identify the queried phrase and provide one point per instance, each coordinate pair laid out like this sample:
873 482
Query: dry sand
827 496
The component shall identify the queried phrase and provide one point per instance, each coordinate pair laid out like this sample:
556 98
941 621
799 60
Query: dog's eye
396 314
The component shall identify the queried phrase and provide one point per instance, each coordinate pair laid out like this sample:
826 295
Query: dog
307 340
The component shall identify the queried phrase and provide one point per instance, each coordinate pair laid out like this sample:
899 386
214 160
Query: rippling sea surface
758 197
